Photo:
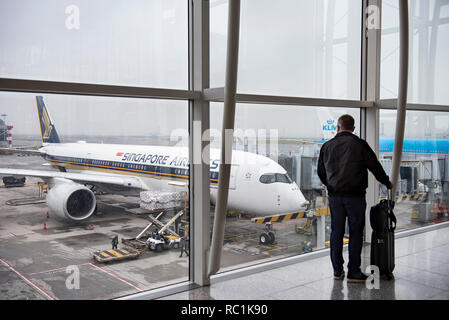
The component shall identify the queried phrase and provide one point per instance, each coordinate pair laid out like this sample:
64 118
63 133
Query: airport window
428 47
292 47
144 44
132 81
275 154
42 240
423 187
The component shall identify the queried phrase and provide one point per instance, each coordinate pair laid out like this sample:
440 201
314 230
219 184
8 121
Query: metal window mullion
311 102
391 104
88 89
217 95
199 122
370 91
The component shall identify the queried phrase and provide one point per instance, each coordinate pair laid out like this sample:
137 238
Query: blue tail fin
48 130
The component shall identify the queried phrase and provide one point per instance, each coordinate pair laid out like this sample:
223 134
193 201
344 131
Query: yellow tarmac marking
233 236
258 245
242 241
285 247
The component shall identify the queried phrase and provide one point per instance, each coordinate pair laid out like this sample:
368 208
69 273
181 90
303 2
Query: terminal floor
421 273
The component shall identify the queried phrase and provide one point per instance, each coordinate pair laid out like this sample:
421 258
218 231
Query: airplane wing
22 151
129 182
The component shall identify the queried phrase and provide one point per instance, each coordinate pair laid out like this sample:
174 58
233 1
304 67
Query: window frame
199 96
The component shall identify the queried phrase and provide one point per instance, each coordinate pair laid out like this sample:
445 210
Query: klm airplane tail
48 130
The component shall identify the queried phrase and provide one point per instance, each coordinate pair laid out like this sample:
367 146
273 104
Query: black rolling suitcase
383 223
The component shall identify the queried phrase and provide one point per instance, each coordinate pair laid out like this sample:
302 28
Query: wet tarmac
55 262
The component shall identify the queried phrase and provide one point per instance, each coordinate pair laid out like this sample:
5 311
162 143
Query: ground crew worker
342 168
185 241
114 242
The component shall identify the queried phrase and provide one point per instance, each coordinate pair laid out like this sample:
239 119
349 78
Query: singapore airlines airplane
258 185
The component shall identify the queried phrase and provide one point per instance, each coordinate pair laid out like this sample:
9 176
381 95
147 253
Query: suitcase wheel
389 276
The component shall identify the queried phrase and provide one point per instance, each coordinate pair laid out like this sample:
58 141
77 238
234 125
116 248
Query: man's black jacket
343 164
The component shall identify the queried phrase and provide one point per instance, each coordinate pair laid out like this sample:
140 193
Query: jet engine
71 201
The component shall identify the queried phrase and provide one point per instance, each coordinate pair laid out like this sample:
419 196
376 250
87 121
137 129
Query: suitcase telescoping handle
390 198
391 216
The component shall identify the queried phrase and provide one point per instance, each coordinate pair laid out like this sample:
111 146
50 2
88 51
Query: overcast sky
288 47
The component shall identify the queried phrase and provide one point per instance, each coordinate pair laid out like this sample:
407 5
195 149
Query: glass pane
292 47
143 44
423 190
119 164
282 178
271 144
428 63
267 178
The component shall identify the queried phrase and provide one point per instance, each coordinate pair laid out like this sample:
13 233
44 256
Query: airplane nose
297 201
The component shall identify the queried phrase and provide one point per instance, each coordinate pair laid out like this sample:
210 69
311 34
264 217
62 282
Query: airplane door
233 177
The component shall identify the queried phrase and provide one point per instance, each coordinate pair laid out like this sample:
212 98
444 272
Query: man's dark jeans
354 208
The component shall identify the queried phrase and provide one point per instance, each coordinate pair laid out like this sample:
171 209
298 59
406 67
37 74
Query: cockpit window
283 178
268 178
275 177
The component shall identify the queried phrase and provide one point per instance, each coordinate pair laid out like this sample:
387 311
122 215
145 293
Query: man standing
185 241
343 168
114 242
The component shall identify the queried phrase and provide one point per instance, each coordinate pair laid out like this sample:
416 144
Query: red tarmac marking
28 280
57 269
116 276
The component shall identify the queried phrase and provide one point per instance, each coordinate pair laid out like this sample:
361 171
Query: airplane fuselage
167 168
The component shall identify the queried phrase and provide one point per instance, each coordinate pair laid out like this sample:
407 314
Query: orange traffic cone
45 226
48 215
91 227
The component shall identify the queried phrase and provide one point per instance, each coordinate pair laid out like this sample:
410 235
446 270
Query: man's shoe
339 275
357 277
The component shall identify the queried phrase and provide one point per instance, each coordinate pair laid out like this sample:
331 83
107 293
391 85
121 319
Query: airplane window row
181 171
214 175
275 177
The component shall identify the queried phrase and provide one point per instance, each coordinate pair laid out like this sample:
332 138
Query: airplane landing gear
267 237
